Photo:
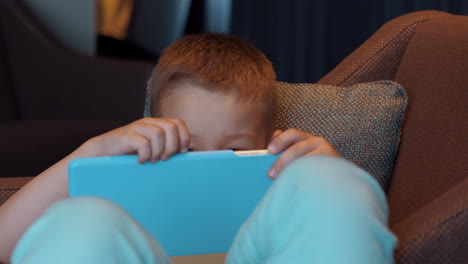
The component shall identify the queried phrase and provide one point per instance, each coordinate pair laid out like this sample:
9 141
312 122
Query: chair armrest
437 233
8 186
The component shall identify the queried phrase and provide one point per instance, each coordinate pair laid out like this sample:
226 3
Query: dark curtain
305 39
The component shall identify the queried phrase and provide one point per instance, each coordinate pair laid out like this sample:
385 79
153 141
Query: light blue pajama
320 210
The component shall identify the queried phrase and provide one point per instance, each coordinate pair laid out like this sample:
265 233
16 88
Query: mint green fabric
320 210
87 230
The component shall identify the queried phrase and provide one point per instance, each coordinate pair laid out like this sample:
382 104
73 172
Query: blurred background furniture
305 39
71 23
426 52
53 99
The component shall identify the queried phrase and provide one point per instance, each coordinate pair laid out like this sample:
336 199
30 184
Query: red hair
220 63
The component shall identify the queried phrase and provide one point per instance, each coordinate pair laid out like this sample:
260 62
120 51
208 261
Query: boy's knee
83 223
87 230
323 199
86 207
317 166
335 182
83 203
87 214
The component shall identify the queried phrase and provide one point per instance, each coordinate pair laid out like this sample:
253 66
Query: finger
171 131
324 150
292 153
155 135
171 136
275 134
286 139
139 144
184 134
177 135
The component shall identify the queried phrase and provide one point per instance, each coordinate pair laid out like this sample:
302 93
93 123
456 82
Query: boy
210 92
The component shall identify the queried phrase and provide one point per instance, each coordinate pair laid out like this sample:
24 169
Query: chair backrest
427 53
433 151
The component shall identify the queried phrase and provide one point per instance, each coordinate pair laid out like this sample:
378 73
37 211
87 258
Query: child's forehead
197 99
200 92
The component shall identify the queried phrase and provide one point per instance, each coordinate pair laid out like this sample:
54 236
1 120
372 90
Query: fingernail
184 150
270 149
274 150
272 173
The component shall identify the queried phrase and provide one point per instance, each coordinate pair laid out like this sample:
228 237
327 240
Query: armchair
426 52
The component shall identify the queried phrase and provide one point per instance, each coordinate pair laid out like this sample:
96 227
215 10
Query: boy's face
216 120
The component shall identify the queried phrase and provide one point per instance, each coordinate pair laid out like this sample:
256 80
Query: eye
235 149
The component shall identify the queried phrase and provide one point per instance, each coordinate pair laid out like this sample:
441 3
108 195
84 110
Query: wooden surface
202 259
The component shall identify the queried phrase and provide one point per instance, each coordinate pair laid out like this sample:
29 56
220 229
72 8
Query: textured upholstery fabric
362 122
8 186
445 233
379 57
433 154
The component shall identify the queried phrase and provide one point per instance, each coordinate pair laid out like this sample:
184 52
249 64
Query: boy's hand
296 144
151 139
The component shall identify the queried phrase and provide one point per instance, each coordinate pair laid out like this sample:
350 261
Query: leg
320 210
87 230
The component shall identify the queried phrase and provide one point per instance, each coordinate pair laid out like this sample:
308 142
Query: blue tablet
193 203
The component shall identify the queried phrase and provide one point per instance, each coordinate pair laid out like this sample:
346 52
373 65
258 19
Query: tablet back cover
194 203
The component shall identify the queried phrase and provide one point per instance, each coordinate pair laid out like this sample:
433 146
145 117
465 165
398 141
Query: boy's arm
26 205
151 138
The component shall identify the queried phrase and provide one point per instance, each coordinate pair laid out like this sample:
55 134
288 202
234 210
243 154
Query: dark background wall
305 39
